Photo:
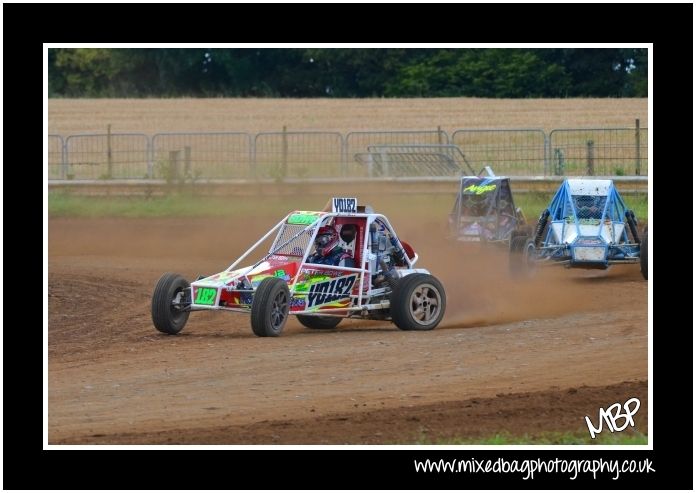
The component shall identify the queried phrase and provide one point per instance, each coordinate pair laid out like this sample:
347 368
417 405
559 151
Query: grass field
579 438
70 116
423 206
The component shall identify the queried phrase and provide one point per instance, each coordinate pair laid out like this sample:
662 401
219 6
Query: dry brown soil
522 358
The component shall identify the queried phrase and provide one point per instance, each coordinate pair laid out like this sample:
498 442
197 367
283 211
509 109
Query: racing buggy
383 283
485 211
586 225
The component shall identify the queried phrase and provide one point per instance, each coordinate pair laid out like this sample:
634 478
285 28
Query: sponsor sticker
479 189
330 291
303 218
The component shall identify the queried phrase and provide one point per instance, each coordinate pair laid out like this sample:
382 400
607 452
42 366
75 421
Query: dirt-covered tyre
318 322
522 262
269 308
522 230
513 236
644 254
417 302
170 303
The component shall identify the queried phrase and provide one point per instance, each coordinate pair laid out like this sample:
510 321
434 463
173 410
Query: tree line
348 73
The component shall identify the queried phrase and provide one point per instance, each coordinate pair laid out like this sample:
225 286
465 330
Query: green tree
602 72
340 72
482 73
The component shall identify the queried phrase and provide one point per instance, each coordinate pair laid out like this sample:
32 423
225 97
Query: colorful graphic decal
297 304
307 279
330 291
318 290
303 217
582 221
286 272
479 189
204 296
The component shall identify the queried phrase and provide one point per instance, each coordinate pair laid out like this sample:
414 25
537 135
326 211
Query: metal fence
105 156
414 160
507 152
56 160
600 151
299 155
357 142
189 156
281 155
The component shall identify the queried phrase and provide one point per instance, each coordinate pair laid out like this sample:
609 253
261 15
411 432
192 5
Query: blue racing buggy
586 225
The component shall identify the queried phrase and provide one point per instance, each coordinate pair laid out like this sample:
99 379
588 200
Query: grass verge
61 204
547 438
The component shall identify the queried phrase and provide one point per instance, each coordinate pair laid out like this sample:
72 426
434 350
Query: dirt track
522 358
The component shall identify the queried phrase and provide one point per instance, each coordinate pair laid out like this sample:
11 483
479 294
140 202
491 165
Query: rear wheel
417 302
169 300
522 257
318 322
644 254
269 308
519 233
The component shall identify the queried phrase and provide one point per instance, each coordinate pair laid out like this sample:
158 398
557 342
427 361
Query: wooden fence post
637 146
284 162
590 157
187 161
109 158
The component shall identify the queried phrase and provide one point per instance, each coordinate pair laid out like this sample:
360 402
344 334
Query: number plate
204 296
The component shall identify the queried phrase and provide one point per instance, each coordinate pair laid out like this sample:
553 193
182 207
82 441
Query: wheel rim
426 304
176 312
279 310
529 257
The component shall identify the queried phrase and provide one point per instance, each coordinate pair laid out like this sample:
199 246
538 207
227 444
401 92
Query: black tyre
644 254
170 303
318 322
522 230
418 302
522 257
513 236
269 308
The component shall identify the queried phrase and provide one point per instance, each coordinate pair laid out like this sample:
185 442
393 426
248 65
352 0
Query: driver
587 207
327 250
475 205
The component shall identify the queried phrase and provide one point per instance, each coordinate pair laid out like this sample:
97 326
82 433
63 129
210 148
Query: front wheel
269 308
644 254
417 302
318 322
170 303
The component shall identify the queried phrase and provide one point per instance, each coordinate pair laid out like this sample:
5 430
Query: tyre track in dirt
114 379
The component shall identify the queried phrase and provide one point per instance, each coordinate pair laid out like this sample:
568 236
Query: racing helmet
326 240
477 204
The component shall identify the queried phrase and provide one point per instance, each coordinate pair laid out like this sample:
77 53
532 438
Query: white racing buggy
587 226
383 283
